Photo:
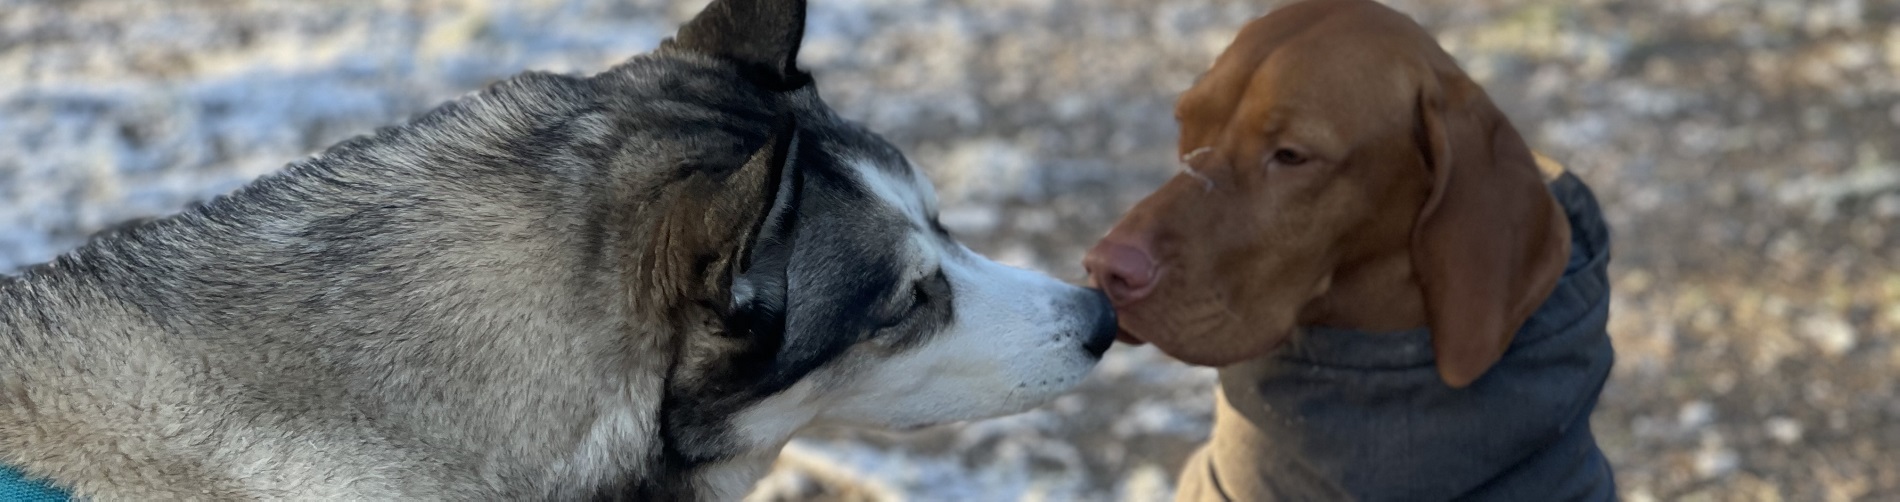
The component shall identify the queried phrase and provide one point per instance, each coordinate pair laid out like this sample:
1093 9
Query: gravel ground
1744 151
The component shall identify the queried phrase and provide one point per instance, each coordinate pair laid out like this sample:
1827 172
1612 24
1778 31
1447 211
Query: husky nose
1102 329
1125 271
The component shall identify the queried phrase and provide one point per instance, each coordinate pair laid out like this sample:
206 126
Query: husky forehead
901 195
899 184
694 91
892 196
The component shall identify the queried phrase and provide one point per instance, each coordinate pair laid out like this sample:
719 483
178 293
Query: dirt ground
1744 150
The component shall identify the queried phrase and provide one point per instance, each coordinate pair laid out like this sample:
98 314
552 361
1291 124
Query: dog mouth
1125 317
1192 343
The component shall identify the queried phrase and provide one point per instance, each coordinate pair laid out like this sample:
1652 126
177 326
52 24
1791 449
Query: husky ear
759 285
761 35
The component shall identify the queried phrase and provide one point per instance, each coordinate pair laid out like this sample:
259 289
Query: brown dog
1341 173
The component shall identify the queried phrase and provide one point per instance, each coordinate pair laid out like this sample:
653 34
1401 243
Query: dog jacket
1347 415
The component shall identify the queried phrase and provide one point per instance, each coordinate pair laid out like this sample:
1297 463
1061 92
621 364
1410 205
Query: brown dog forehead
1329 61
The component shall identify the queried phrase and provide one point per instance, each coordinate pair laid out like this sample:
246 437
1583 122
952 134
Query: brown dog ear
1490 241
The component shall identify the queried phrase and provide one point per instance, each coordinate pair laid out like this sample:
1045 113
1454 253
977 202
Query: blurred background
1744 151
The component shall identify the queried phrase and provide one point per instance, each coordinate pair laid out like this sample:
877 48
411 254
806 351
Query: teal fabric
16 487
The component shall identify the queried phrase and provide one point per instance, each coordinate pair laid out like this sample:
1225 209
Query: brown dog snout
1122 268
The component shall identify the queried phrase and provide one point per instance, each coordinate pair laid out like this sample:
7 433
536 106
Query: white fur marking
912 196
1187 166
1012 346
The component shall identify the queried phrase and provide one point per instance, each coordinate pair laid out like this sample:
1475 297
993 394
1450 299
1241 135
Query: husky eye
917 298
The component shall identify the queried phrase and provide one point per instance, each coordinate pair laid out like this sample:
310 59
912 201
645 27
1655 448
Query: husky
635 285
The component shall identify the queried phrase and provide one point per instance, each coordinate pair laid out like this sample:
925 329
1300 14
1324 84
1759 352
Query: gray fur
632 285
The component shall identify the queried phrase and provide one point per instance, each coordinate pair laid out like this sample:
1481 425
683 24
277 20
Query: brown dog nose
1126 272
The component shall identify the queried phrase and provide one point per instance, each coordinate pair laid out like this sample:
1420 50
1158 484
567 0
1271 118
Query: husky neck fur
633 285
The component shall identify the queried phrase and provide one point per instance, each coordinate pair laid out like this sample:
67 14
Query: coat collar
16 487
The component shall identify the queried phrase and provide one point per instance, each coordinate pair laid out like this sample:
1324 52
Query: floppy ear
1490 242
760 35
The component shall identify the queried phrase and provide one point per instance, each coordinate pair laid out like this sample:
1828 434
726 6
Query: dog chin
1219 359
1211 361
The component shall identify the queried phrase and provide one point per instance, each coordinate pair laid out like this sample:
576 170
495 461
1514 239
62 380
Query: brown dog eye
1288 157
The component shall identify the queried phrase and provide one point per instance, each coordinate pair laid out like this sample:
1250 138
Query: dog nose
1126 272
1103 328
